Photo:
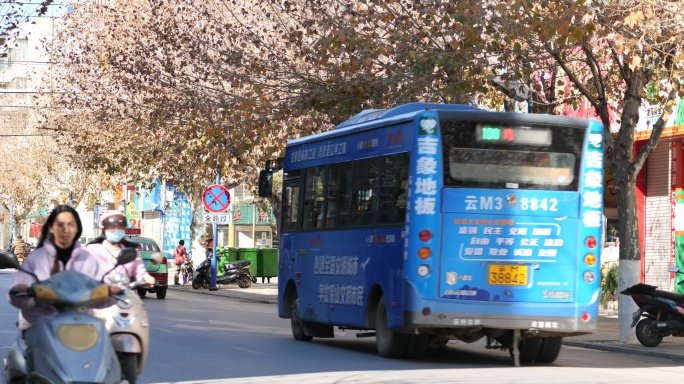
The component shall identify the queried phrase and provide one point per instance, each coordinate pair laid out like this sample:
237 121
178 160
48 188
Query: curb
622 349
267 299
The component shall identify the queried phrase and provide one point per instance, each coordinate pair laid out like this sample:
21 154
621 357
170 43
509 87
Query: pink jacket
135 270
40 263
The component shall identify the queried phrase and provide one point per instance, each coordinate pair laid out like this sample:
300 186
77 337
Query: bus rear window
516 167
540 157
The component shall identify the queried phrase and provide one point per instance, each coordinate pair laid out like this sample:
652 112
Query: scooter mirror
157 258
674 269
8 260
126 256
119 278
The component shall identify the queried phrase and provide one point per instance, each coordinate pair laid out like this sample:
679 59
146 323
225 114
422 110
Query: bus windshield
481 155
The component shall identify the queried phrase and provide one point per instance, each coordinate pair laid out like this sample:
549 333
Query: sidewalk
261 292
606 339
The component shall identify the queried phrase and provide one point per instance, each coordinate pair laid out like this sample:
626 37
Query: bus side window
291 207
393 188
338 196
313 197
363 192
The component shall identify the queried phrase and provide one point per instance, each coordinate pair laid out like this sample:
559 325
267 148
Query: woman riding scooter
58 249
108 245
132 347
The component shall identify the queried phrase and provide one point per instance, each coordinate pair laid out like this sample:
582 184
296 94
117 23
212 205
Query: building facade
660 200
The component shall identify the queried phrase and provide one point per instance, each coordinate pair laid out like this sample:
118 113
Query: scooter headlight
79 337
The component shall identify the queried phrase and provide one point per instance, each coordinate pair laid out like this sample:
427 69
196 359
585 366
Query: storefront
251 228
660 202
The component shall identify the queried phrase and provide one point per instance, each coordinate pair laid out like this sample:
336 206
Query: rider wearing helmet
107 247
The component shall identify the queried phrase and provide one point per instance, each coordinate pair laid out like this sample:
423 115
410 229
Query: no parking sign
216 198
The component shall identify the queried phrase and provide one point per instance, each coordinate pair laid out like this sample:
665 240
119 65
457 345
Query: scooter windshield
71 287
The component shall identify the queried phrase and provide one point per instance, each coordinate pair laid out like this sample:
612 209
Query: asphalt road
203 338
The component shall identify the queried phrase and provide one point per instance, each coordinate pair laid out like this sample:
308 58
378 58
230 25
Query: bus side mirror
266 184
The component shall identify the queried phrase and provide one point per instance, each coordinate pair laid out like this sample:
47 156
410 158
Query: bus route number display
491 134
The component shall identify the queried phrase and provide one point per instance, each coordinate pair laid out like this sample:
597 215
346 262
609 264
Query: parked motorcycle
128 327
8 253
74 345
662 312
235 272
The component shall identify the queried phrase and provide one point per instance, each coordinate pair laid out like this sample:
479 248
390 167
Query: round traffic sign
216 198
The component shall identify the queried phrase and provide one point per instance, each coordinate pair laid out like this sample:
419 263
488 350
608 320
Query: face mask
115 235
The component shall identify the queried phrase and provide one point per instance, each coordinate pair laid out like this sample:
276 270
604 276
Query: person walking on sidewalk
180 255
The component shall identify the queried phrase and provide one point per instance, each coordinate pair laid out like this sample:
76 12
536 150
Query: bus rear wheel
549 350
529 349
389 344
416 346
297 323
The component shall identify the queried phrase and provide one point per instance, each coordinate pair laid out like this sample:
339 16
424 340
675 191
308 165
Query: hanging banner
133 217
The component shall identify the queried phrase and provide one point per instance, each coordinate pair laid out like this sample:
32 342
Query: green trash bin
220 262
267 266
222 258
233 254
250 254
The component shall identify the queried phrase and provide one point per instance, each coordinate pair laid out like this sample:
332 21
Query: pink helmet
112 218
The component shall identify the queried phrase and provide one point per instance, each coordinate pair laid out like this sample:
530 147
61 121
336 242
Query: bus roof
373 118
370 118
406 109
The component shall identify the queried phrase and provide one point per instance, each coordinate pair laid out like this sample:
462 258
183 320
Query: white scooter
128 325
72 346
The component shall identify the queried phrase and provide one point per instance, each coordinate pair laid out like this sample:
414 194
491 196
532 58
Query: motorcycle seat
672 296
237 264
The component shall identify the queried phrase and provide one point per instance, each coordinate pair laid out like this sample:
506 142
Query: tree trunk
197 226
630 260
626 169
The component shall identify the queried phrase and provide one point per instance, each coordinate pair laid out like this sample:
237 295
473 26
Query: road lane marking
248 350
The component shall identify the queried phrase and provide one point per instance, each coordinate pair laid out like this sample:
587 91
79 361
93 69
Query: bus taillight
424 253
591 242
585 317
424 235
589 276
590 259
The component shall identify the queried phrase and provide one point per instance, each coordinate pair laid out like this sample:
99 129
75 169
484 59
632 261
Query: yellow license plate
507 274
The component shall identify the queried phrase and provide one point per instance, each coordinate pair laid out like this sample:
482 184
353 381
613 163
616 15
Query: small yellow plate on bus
507 274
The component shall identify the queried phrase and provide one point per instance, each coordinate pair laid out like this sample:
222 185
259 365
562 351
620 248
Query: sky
29 9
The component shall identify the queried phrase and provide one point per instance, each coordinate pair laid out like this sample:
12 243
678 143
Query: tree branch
571 75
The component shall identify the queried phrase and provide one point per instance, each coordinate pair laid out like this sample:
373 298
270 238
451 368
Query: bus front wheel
297 323
390 344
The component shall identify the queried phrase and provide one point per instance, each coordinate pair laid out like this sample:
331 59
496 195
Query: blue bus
428 222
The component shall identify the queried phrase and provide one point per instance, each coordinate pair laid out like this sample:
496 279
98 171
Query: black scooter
235 272
662 312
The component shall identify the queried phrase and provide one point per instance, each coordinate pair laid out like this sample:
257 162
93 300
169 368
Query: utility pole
254 216
163 214
212 280
11 221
